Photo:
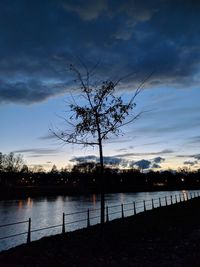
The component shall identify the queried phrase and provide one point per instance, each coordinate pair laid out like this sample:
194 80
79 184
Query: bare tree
96 115
11 162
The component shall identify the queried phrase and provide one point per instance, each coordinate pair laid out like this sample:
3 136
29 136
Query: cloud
37 152
28 92
191 163
88 158
117 161
195 156
149 164
91 158
155 166
143 164
47 137
158 160
162 152
39 39
88 10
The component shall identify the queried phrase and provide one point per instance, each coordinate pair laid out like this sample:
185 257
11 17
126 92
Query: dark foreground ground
168 236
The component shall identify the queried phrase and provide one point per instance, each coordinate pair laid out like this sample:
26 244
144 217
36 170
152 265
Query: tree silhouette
96 114
11 162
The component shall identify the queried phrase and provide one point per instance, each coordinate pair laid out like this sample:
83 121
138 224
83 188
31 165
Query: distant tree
38 169
96 114
85 167
1 161
11 162
54 169
24 169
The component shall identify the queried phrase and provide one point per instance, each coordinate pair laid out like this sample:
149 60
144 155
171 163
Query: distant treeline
85 178
17 179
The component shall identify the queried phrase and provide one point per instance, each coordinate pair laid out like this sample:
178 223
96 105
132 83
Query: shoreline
50 191
166 236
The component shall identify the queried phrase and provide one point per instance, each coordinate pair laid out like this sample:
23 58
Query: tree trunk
102 183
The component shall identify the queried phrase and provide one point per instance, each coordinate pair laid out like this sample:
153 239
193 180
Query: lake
48 212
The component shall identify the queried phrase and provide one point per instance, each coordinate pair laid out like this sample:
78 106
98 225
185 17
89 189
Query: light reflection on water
47 211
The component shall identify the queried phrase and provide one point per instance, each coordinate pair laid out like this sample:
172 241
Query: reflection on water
122 197
47 211
20 204
94 200
29 202
184 194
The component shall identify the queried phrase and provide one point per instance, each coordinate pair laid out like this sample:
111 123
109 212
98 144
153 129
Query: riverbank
167 236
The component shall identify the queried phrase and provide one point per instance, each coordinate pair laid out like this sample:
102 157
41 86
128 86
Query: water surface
47 211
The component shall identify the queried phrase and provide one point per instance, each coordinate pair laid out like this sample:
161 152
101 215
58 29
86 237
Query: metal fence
88 217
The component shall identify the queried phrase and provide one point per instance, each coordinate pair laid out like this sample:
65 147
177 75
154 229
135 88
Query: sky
40 39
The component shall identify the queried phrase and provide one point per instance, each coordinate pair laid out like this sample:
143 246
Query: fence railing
88 217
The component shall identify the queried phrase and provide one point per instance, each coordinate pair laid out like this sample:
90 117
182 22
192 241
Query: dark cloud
149 164
191 163
91 158
28 92
158 160
155 163
117 161
195 156
155 166
39 38
143 164
88 158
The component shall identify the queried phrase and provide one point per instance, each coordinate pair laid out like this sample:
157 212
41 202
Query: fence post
180 197
171 199
134 208
176 199
152 204
63 223
107 216
160 202
122 210
29 231
88 218
166 201
190 195
144 205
